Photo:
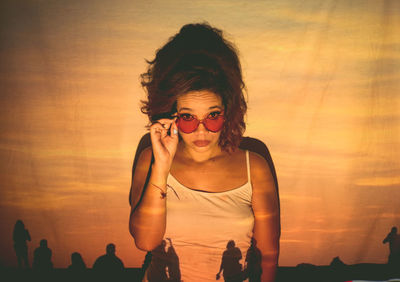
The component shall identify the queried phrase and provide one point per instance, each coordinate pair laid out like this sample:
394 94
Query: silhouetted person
174 271
42 257
108 263
337 269
77 263
158 267
394 247
230 265
337 263
146 263
253 260
20 236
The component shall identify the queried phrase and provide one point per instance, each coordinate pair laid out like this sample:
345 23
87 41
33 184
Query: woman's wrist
160 171
163 191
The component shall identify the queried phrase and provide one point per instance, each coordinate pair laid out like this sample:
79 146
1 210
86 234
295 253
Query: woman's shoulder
258 162
145 157
259 169
143 164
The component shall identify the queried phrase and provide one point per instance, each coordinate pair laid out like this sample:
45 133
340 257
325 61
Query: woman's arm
266 215
148 214
386 239
221 267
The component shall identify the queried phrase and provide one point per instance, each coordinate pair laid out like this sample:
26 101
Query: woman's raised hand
164 140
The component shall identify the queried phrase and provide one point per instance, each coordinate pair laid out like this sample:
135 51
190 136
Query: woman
201 191
20 236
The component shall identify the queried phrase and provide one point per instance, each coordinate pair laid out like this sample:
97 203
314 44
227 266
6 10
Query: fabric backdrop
323 94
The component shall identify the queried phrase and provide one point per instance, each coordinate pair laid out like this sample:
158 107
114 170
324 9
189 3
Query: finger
156 127
166 123
157 131
166 120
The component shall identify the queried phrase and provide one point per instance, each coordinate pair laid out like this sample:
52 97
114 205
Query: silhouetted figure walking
157 271
20 236
394 247
230 265
253 269
109 263
42 257
146 263
174 271
77 263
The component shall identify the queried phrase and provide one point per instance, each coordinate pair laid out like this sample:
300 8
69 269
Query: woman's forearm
147 223
269 267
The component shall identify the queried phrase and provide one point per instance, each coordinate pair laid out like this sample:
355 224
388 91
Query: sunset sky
323 81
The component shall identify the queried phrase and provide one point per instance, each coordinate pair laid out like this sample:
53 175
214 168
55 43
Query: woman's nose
201 128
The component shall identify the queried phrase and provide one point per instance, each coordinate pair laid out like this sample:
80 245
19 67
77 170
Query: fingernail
175 131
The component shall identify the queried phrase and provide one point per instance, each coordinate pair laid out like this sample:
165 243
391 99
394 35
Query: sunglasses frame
221 115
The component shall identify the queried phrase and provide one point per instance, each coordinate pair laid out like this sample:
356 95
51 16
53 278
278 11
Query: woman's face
200 104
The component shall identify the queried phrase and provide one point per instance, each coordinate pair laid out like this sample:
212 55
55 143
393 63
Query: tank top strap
248 166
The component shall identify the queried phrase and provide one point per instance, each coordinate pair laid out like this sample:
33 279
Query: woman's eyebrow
190 109
185 109
214 107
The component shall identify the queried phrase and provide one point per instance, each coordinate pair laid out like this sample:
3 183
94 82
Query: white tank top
200 225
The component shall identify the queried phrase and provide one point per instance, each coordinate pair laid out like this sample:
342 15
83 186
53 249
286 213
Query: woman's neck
199 157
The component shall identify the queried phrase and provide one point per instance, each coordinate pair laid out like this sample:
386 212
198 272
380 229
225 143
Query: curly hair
197 58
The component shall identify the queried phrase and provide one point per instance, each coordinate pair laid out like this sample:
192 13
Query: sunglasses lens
214 124
187 126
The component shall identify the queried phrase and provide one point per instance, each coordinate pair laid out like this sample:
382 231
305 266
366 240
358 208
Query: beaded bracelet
163 194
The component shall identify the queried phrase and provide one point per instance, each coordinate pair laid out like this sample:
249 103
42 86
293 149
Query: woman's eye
186 116
214 115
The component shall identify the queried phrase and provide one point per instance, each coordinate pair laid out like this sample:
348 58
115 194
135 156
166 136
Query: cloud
389 215
291 241
381 66
334 231
378 181
298 198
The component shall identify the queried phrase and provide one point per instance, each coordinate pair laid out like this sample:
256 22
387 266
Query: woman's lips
201 143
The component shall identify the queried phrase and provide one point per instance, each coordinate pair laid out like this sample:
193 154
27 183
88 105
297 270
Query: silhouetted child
108 263
42 257
77 263
394 247
20 236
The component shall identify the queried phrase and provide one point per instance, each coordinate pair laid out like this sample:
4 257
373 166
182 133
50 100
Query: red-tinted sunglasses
188 123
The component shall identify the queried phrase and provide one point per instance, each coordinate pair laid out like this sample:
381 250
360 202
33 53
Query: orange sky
323 83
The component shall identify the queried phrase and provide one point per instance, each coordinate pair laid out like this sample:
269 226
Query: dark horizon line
302 264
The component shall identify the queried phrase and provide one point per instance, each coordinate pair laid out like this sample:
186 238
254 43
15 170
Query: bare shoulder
140 174
265 200
258 165
260 173
145 156
143 164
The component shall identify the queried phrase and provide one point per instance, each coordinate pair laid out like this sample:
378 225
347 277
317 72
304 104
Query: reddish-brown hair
197 58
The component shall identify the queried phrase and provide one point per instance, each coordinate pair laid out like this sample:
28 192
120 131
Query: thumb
174 130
